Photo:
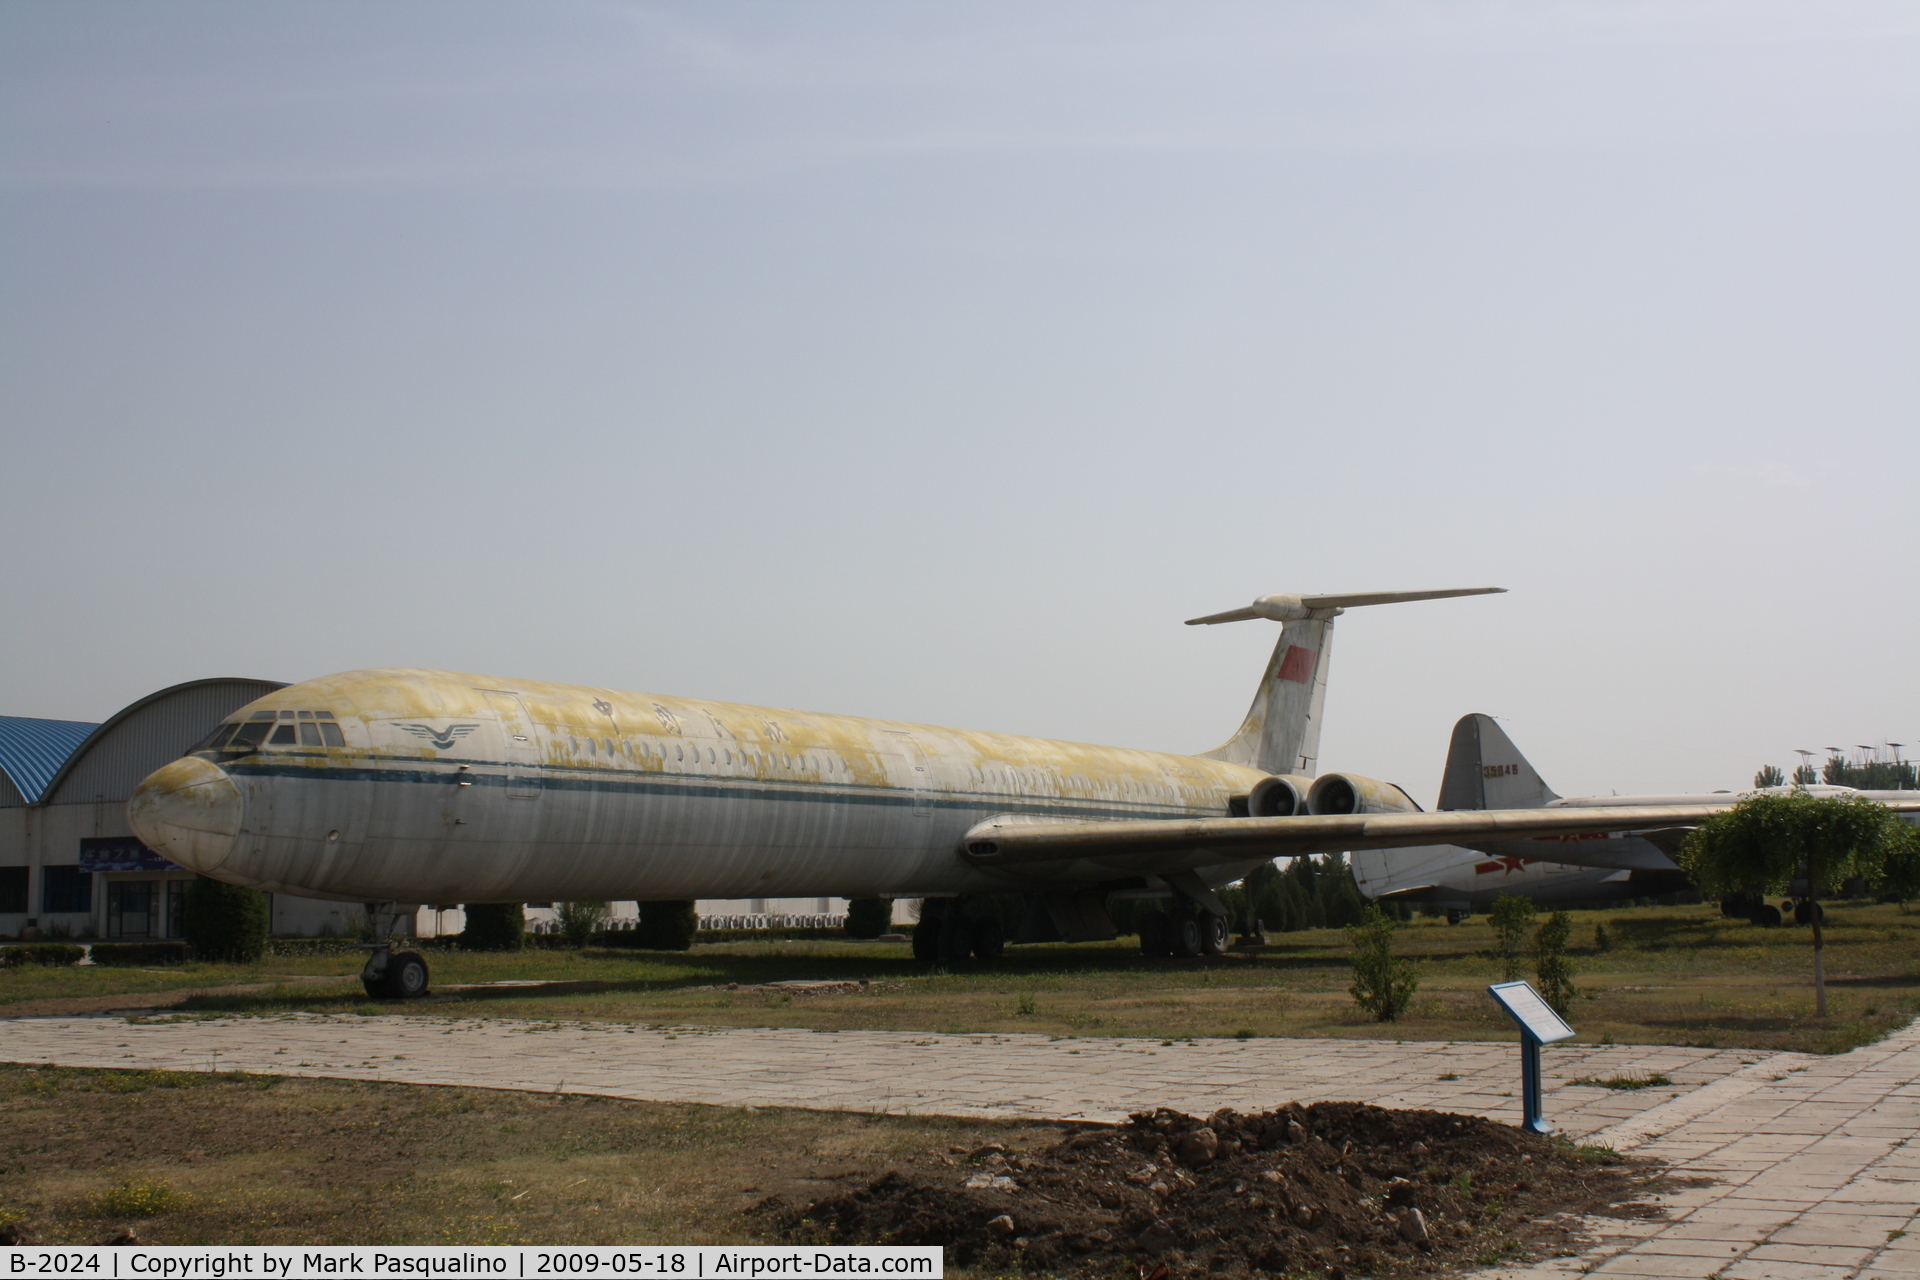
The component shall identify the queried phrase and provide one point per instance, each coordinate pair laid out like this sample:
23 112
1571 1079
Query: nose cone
188 812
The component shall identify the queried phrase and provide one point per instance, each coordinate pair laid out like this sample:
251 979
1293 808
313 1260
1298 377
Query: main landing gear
945 933
391 975
1183 933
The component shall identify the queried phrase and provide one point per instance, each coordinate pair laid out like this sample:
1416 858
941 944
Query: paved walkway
890 1071
1816 1177
1815 1160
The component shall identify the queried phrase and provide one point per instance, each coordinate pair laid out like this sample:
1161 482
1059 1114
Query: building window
66 889
13 890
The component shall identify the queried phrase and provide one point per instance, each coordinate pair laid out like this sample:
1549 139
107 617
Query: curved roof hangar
146 734
31 753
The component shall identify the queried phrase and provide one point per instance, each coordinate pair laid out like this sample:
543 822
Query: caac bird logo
441 738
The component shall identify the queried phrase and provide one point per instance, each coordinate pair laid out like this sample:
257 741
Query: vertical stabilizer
1486 771
1281 733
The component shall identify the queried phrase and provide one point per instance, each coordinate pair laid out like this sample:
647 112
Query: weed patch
1654 1080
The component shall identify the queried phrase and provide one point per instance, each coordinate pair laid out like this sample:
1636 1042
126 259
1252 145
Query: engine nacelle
1338 793
1281 796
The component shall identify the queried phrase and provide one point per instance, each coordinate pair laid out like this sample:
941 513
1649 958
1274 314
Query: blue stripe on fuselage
656 784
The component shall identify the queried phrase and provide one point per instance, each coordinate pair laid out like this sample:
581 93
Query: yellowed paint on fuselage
456 787
580 727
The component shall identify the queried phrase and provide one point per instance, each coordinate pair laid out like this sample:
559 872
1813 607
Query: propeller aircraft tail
1486 771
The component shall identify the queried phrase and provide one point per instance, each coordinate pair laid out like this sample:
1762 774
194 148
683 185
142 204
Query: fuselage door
914 770
522 760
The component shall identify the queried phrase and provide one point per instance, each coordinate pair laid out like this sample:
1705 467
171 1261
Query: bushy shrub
136 955
225 922
869 917
47 953
312 947
666 926
579 921
494 926
1383 984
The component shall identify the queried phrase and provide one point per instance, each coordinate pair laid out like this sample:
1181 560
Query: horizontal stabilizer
1289 608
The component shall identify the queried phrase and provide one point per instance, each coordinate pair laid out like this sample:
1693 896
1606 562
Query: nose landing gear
390 975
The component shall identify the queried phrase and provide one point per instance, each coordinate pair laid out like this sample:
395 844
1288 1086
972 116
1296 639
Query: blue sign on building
120 853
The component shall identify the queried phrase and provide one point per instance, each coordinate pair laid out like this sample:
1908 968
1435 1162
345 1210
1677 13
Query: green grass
1671 975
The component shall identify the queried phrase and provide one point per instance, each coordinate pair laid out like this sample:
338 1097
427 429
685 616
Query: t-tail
1486 771
1281 733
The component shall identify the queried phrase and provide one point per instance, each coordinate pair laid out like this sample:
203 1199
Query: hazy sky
935 361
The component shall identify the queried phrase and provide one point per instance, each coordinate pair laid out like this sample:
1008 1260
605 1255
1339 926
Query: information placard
1535 1016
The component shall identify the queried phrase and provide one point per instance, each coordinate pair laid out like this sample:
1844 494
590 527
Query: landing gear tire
1455 915
1155 934
1766 914
926 939
406 978
988 938
1214 934
957 941
1185 935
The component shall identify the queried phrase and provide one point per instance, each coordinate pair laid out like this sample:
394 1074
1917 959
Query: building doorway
130 908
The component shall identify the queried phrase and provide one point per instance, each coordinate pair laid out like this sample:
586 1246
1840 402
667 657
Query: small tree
494 926
1805 775
1551 968
224 922
667 926
1899 878
1767 842
869 917
1511 917
1769 776
1341 903
1383 984
579 921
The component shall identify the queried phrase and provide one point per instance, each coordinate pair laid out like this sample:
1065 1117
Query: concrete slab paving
1841 1201
884 1071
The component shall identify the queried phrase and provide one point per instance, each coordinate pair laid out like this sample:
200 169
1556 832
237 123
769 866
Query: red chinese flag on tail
1296 665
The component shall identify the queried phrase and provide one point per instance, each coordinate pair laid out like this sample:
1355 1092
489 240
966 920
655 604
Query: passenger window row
680 751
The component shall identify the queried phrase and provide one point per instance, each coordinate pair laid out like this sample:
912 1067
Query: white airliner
1486 771
405 786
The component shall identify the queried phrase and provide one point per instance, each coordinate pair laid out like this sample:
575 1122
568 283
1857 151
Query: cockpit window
249 735
275 729
215 740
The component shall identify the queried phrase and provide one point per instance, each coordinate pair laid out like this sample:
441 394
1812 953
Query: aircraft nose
188 812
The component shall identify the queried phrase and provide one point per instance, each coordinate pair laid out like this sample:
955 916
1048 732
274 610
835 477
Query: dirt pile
1336 1189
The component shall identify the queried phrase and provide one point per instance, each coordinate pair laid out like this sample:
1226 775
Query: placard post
1539 1025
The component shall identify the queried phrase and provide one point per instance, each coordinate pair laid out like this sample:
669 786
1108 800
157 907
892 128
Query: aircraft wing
1145 847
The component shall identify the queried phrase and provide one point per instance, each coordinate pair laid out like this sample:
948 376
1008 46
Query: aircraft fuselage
428 786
